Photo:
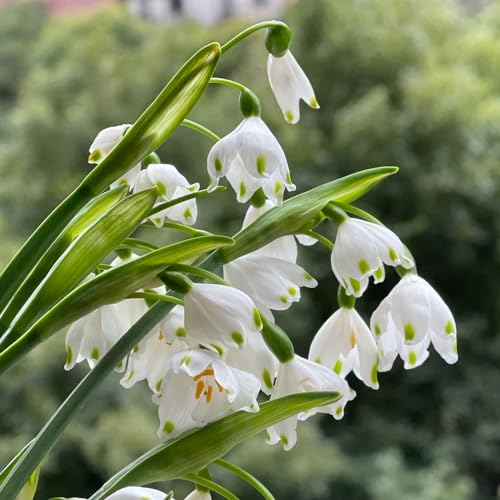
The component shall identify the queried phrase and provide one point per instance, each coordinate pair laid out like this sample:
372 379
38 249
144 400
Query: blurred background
400 82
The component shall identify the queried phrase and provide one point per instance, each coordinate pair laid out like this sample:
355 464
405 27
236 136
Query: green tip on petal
284 440
412 358
261 164
162 189
289 116
218 165
237 338
257 319
374 374
314 102
338 367
266 377
69 355
449 328
168 427
409 331
95 354
180 332
95 156
363 266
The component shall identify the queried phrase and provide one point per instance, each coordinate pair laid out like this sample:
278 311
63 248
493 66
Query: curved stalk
247 477
198 127
156 297
249 31
198 271
202 481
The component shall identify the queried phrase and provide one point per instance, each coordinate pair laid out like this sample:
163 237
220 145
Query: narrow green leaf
81 222
156 123
301 210
83 255
26 462
194 451
106 288
29 489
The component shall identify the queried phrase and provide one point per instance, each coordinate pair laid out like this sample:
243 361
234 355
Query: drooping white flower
361 250
137 493
250 157
220 314
408 320
289 84
171 184
92 336
102 145
302 375
200 388
105 141
256 358
344 343
199 495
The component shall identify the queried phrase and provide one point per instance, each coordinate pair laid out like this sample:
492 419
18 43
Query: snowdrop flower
137 493
361 250
199 495
220 314
171 184
289 84
200 388
411 317
105 141
255 358
92 336
302 375
344 343
250 157
102 145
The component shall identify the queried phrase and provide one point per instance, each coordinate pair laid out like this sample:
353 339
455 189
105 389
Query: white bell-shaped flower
92 336
171 184
200 388
361 250
137 493
289 84
255 358
102 145
344 343
220 314
302 375
408 320
105 141
251 157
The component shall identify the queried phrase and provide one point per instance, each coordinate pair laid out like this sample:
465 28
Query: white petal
105 141
137 493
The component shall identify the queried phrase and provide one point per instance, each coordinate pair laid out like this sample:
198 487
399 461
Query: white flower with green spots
219 314
199 388
361 250
302 375
102 145
171 184
289 84
199 495
344 343
408 320
251 158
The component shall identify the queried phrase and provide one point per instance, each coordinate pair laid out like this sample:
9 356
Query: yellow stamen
199 389
209 393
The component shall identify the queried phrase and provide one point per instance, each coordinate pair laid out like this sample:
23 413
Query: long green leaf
106 288
81 257
200 448
24 466
156 123
82 221
302 209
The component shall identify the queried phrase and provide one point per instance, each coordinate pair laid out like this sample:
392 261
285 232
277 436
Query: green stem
47 437
210 485
322 239
186 197
156 297
229 83
243 474
249 31
139 244
201 129
357 211
181 227
197 271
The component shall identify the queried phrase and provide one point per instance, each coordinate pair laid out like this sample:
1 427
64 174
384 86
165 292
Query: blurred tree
399 82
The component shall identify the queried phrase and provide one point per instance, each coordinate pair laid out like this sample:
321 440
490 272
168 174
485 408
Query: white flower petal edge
171 184
344 343
361 250
251 157
137 493
408 320
289 84
302 375
220 314
199 495
203 388
105 141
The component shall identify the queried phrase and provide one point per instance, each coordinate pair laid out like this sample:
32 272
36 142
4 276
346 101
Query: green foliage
406 83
